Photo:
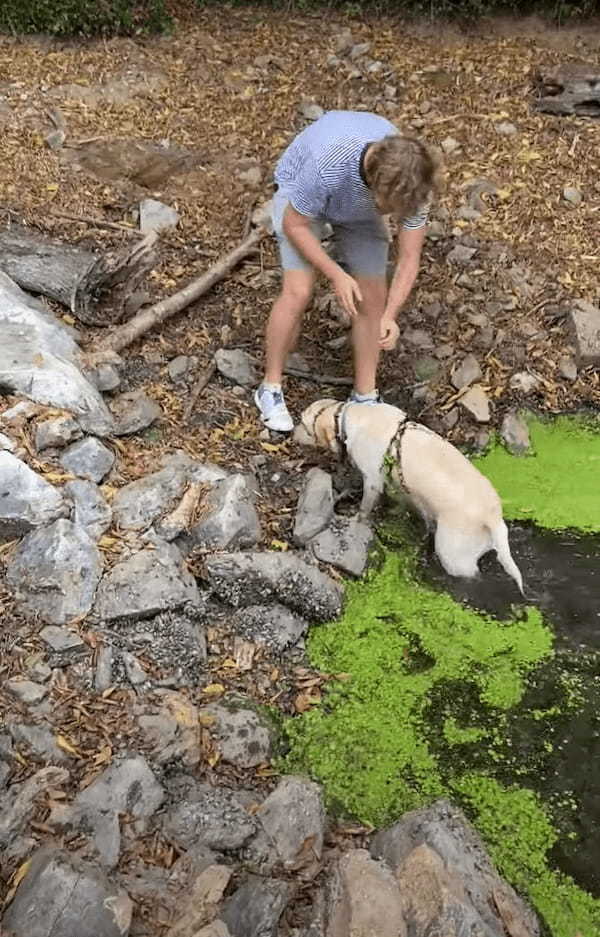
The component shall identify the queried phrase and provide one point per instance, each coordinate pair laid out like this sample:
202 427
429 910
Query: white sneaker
275 415
368 401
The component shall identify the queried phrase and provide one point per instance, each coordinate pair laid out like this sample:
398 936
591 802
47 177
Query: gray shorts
363 248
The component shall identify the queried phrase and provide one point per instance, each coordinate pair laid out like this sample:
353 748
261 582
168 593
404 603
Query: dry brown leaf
213 690
16 881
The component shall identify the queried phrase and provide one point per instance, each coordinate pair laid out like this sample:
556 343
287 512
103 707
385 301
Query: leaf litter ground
183 119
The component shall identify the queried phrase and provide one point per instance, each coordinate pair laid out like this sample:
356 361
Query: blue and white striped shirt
320 170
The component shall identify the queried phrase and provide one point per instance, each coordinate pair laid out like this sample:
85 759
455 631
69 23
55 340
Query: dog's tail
499 535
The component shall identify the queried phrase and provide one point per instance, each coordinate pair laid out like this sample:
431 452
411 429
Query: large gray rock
90 509
26 691
138 505
255 909
243 736
173 730
476 401
461 255
584 319
445 830
524 383
311 111
236 365
7 760
19 804
572 195
58 431
293 821
133 412
129 787
435 900
256 578
466 373
272 625
39 740
20 413
60 896
204 816
201 903
515 433
568 368
178 367
173 641
214 929
345 544
228 516
39 359
7 444
105 377
151 581
88 459
364 899
62 641
156 216
27 501
55 572
315 505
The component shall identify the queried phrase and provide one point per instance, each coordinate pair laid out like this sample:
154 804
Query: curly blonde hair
402 173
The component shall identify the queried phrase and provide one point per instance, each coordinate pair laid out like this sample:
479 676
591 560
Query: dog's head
317 426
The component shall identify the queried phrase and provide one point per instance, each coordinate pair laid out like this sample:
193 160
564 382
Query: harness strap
340 423
394 451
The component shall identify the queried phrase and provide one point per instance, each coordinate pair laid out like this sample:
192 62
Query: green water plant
557 484
374 743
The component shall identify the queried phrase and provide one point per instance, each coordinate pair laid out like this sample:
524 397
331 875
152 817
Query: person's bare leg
283 327
366 333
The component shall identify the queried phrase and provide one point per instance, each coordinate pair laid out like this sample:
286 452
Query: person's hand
388 333
347 291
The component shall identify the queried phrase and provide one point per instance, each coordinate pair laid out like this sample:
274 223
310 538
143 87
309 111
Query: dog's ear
326 431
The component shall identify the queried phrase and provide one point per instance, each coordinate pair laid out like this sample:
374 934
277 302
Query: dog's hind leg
458 550
371 495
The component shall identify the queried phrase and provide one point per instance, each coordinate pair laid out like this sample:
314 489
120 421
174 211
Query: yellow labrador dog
451 495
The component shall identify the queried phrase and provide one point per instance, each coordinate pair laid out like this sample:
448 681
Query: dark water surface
561 575
558 755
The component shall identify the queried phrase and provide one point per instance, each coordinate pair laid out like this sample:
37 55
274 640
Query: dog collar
311 432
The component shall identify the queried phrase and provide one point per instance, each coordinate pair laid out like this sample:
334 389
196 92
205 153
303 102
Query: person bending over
347 169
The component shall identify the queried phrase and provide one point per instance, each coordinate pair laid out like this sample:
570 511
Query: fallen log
149 318
94 287
569 89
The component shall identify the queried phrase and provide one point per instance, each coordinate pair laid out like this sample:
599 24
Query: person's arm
297 228
410 246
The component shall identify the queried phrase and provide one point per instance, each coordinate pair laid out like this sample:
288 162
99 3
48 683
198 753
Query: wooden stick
149 318
98 223
202 382
248 222
181 518
319 378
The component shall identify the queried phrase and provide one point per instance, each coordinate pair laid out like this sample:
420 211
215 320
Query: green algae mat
436 699
558 486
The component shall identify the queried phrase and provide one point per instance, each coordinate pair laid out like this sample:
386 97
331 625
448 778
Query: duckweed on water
556 486
373 742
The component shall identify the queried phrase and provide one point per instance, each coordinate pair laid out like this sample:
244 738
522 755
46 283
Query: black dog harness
393 451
